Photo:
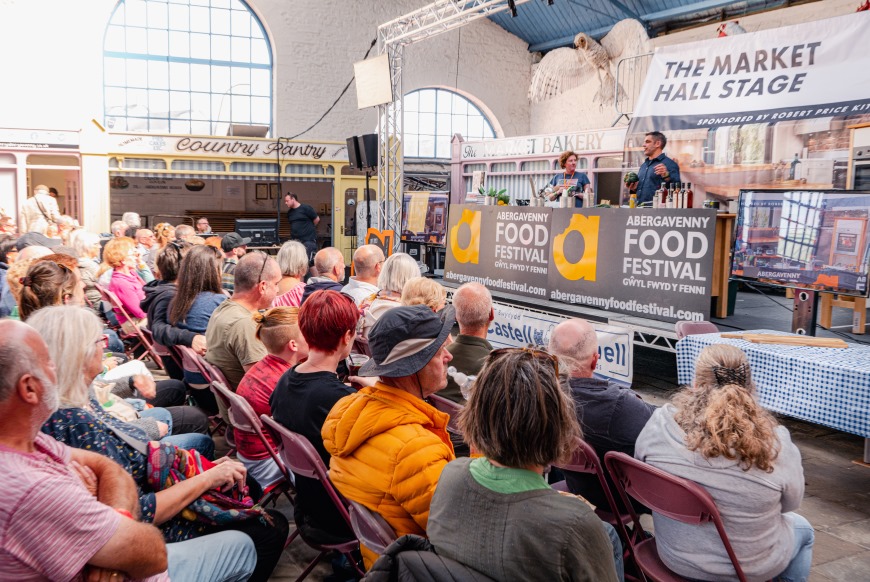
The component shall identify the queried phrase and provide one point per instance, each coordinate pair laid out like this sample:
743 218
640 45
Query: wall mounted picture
262 191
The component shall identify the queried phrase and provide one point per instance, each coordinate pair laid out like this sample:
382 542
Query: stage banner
507 248
515 327
809 70
656 264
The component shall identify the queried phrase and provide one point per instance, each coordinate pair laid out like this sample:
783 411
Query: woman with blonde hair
424 291
278 329
496 514
293 260
716 434
164 233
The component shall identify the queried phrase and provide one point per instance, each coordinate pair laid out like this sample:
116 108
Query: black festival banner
655 264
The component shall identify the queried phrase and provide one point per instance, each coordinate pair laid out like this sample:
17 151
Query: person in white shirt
39 211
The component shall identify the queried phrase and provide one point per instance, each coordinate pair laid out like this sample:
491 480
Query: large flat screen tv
424 217
808 239
263 232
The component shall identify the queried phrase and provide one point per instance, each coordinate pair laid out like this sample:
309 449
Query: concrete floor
837 499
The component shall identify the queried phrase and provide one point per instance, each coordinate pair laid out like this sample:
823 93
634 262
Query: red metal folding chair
137 340
159 349
671 496
371 528
301 457
684 328
243 418
190 363
451 408
585 460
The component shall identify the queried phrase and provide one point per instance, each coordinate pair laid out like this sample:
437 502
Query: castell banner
811 70
655 264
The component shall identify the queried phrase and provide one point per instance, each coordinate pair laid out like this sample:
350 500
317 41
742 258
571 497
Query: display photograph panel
424 217
809 239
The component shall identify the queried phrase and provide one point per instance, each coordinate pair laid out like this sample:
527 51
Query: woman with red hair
306 393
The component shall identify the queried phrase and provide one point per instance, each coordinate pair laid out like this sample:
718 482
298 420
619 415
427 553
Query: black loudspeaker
353 152
368 150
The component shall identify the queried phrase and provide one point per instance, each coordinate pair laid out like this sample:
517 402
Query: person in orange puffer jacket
388 445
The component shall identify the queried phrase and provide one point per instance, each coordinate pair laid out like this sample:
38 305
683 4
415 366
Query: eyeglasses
263 268
103 342
536 353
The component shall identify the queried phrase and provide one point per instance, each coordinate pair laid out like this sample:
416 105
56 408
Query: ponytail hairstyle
277 327
720 415
47 283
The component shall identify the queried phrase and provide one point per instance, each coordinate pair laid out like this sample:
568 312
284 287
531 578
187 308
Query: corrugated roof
547 27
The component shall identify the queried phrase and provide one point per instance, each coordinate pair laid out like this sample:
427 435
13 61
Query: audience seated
125 281
7 301
231 334
388 445
147 245
158 296
611 417
293 260
164 233
716 434
184 232
87 245
234 246
424 291
189 424
497 514
329 264
473 305
198 289
278 329
398 269
368 260
70 333
304 397
72 507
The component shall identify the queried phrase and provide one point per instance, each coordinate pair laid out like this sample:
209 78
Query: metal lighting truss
436 18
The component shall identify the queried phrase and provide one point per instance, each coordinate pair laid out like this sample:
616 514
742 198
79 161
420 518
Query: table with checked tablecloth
828 386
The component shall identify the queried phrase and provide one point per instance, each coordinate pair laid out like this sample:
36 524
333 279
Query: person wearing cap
39 211
388 445
234 247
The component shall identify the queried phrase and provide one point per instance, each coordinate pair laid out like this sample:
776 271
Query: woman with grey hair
398 269
293 260
87 245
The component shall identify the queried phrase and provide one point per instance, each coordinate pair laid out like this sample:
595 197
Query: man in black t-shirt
303 220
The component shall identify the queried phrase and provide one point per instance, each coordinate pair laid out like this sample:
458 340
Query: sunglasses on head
534 352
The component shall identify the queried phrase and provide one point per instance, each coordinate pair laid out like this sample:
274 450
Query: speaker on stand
362 152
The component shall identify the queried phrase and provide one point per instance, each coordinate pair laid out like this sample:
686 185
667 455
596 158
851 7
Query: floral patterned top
96 430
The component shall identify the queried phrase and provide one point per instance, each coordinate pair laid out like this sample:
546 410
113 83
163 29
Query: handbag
168 465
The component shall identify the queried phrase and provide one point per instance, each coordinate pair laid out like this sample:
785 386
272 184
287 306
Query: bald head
32 253
329 262
575 342
473 304
19 344
367 260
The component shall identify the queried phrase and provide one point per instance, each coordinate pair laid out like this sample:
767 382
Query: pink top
292 298
257 387
130 292
50 525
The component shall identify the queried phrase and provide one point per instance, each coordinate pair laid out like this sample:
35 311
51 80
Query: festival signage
656 264
544 145
514 327
224 147
814 69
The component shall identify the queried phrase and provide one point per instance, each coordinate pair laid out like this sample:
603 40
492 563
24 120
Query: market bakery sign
651 263
793 72
228 147
584 141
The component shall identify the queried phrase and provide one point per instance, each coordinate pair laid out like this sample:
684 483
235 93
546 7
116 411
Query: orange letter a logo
471 252
585 268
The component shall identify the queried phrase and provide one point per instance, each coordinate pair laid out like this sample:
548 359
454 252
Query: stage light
512 5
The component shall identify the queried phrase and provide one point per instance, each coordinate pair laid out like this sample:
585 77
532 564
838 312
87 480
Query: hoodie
388 450
319 284
158 296
752 504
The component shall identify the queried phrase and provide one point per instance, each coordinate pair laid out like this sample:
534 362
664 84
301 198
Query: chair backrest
450 407
370 528
243 417
302 458
668 495
211 372
113 300
684 328
189 361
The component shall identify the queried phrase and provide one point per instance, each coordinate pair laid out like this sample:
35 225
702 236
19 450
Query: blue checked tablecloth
826 386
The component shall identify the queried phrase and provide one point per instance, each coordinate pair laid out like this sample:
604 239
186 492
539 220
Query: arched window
186 66
432 116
